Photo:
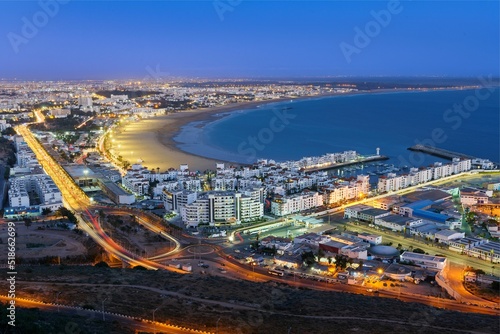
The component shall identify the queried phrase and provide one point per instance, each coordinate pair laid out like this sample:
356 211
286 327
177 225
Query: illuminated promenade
76 199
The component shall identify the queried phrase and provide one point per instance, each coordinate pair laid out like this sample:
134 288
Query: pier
348 163
439 152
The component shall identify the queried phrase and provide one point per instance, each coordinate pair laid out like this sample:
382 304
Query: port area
347 163
439 152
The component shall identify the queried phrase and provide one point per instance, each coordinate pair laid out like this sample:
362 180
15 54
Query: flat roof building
425 261
115 193
396 222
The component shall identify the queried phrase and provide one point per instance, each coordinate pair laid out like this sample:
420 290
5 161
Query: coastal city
250 167
342 221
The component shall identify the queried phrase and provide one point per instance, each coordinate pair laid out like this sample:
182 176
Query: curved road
136 324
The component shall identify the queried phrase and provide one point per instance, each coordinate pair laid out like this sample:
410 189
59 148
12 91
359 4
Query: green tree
308 258
63 212
321 253
46 211
9 132
27 222
340 261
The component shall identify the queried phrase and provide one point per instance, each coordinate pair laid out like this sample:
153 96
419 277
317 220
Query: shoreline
164 129
157 134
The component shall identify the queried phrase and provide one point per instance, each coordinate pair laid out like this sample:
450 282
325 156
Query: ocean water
465 121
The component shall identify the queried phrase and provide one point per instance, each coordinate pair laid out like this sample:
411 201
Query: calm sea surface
453 120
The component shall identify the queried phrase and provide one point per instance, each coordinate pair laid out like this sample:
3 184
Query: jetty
360 160
439 152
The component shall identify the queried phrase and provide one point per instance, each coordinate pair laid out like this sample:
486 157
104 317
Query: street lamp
156 309
103 308
217 326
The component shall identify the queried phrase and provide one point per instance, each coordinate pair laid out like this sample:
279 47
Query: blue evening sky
121 39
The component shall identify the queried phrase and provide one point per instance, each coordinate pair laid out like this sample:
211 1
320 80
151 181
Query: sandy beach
151 141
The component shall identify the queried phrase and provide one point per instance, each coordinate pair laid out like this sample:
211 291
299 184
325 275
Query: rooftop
422 257
374 212
383 251
433 195
397 219
446 233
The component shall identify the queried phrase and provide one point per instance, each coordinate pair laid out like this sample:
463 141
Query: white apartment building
224 207
136 183
173 201
252 204
18 195
482 163
393 182
296 203
224 183
196 213
349 191
25 189
246 172
4 125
